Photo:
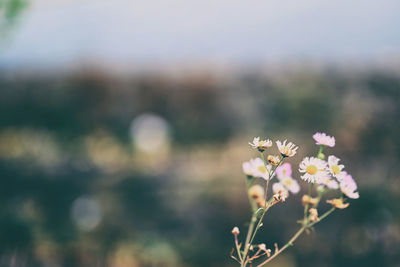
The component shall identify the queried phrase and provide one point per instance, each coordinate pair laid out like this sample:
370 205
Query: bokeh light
150 133
86 213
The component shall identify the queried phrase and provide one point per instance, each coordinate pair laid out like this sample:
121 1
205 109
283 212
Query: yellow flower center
262 169
312 169
335 169
285 150
288 182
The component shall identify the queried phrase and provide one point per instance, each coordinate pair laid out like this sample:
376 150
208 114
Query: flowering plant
323 175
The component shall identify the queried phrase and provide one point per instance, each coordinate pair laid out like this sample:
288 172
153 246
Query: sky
56 33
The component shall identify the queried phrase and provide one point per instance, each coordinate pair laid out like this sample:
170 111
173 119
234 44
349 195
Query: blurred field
145 169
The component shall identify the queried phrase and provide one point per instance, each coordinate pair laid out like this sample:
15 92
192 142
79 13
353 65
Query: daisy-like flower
280 191
348 186
260 170
261 145
323 139
334 167
290 184
313 169
284 170
287 150
328 182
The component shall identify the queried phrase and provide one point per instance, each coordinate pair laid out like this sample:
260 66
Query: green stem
251 227
266 207
320 194
288 244
322 217
295 236
310 188
320 155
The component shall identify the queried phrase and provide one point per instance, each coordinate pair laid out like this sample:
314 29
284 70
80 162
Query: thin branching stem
266 207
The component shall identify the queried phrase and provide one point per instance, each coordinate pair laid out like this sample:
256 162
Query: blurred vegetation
10 11
67 140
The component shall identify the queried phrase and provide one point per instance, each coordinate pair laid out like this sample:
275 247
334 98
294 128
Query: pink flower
285 170
348 186
323 139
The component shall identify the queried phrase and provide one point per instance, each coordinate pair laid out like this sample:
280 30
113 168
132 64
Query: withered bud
235 230
262 247
310 200
313 215
338 203
268 251
256 192
281 195
273 160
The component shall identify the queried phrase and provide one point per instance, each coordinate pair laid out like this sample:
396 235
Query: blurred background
123 126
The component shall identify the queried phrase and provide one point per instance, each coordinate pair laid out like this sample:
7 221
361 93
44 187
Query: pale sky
56 33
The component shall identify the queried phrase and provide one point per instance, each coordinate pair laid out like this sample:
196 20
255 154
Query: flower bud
313 215
235 230
338 203
256 192
310 200
273 160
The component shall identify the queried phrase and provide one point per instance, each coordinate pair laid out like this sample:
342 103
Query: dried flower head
273 160
313 215
323 139
287 150
310 200
262 246
261 145
235 230
280 192
256 192
268 252
338 203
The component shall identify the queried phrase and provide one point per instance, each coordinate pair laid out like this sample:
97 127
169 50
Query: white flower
334 168
284 170
323 139
260 170
261 145
290 184
287 150
248 168
313 169
329 182
348 186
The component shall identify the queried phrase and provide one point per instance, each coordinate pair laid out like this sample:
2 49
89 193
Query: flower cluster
286 182
327 175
